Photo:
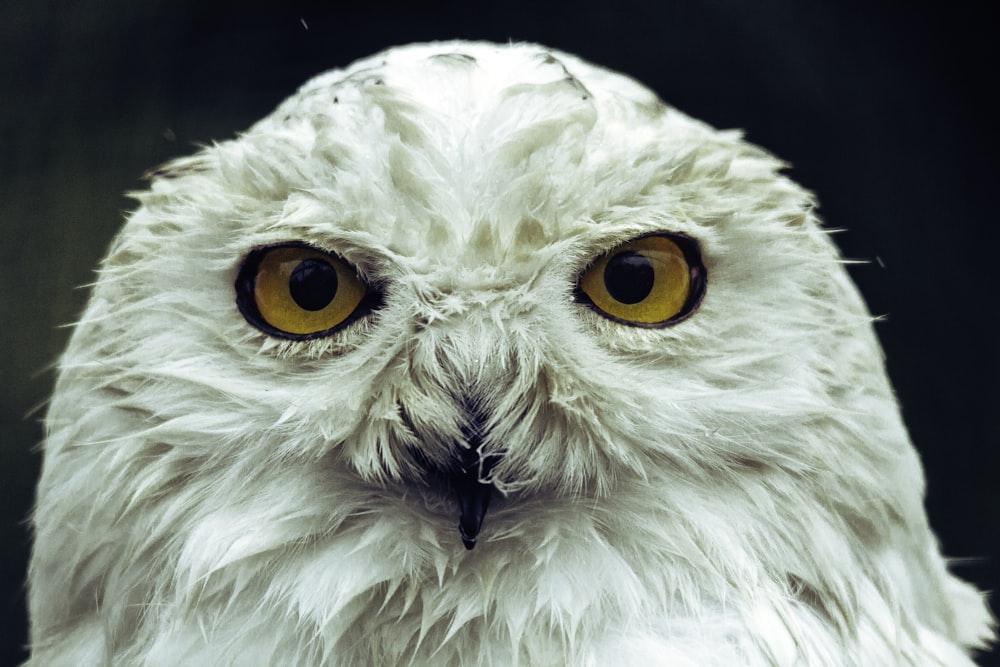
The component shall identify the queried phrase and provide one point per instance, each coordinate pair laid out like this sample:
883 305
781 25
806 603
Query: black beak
474 489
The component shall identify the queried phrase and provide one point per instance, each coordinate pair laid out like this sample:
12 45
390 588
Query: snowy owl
482 355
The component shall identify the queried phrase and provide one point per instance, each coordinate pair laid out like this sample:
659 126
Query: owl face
448 227
462 294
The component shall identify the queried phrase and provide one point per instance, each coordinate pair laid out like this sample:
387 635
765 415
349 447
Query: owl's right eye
299 292
655 280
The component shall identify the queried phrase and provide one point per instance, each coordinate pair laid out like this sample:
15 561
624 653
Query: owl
476 354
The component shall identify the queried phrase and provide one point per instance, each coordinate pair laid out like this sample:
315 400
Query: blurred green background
884 112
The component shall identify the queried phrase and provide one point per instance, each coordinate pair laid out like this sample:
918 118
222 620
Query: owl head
460 295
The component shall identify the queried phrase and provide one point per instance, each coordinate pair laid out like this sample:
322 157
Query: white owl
465 295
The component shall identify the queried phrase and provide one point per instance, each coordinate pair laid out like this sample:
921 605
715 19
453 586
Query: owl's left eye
652 281
299 292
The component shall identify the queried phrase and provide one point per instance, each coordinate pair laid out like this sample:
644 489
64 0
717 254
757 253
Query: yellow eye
652 281
295 291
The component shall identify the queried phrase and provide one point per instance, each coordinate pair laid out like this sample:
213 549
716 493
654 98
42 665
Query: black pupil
628 277
313 284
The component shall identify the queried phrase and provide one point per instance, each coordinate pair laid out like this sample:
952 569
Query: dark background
885 113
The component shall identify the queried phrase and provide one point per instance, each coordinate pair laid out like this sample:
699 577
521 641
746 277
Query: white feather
735 489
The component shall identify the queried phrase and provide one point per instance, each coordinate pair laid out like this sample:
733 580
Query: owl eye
295 291
651 281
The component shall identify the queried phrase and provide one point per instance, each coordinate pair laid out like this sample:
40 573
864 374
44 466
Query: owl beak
474 490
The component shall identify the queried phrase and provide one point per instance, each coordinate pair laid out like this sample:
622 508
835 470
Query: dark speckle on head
460 58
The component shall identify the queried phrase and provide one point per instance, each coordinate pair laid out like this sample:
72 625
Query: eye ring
651 281
299 292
